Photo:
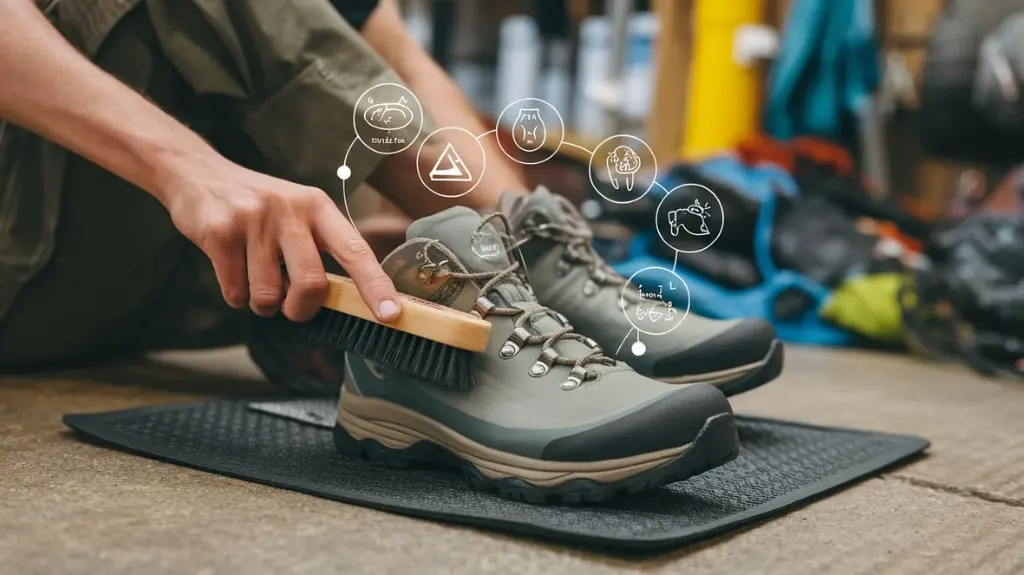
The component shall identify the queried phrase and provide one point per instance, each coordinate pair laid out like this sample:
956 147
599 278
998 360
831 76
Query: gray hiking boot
567 275
549 417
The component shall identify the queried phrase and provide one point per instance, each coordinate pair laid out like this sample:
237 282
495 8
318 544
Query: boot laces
577 240
546 340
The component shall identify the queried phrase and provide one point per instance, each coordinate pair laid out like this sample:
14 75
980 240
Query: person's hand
247 223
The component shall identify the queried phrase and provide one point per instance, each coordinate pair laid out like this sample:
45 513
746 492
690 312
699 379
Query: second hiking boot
568 275
550 417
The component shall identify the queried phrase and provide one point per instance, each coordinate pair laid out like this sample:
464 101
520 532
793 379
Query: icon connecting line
638 348
536 125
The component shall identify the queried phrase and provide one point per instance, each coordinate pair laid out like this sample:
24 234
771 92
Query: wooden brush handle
419 317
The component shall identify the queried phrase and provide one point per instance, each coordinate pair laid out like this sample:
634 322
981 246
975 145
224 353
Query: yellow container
722 106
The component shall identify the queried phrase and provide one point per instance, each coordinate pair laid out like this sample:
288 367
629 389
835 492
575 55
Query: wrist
163 166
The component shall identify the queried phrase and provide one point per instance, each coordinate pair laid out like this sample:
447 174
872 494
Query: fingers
228 258
344 243
307 279
265 281
246 234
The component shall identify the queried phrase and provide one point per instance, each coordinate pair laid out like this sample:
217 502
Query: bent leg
288 75
121 278
273 85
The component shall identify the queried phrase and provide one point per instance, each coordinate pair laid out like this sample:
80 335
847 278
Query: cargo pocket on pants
306 128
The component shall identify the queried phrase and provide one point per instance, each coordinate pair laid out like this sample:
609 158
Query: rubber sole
743 378
716 444
768 372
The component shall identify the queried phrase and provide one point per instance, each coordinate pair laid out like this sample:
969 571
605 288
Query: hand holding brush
247 223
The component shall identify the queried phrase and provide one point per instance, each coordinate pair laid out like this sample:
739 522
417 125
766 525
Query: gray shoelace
578 241
521 336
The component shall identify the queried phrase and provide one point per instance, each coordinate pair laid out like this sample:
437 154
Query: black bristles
419 357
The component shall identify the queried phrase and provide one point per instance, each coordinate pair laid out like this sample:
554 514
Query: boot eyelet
424 276
538 369
428 272
570 384
576 378
519 336
547 358
589 288
562 268
482 307
508 350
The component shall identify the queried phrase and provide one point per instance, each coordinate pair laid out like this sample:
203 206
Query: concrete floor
69 507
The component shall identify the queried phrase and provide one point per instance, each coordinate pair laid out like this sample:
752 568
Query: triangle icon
450 167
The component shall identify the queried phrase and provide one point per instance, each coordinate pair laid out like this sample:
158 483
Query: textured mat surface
781 465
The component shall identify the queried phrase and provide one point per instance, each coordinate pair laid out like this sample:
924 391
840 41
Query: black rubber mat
289 445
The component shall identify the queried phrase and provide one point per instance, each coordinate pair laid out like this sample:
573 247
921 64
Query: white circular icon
692 220
530 132
652 309
387 118
638 348
459 166
617 160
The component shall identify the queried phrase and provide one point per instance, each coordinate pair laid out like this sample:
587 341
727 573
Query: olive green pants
273 85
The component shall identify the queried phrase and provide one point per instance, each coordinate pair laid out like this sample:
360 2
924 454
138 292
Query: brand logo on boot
486 244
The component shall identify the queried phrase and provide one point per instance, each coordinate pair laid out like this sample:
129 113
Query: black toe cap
749 341
672 421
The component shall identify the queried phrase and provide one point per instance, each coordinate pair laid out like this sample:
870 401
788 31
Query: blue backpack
711 299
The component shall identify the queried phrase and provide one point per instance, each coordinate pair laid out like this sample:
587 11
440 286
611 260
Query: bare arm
51 89
447 105
244 221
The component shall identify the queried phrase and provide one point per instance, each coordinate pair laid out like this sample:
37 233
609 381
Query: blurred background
864 152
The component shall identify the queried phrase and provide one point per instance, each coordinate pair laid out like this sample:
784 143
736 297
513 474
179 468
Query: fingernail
387 310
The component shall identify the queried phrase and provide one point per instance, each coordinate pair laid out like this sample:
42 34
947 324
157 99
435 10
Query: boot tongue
479 249
478 246
548 206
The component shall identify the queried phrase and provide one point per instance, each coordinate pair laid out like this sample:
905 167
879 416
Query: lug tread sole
716 444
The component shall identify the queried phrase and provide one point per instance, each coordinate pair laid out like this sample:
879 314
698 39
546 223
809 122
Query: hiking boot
567 274
549 417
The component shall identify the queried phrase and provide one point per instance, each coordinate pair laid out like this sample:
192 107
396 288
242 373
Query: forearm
448 107
51 89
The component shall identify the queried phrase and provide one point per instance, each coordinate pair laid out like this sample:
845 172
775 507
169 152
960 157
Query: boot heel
372 451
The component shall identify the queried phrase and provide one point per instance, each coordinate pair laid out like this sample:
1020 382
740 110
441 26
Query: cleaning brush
428 341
